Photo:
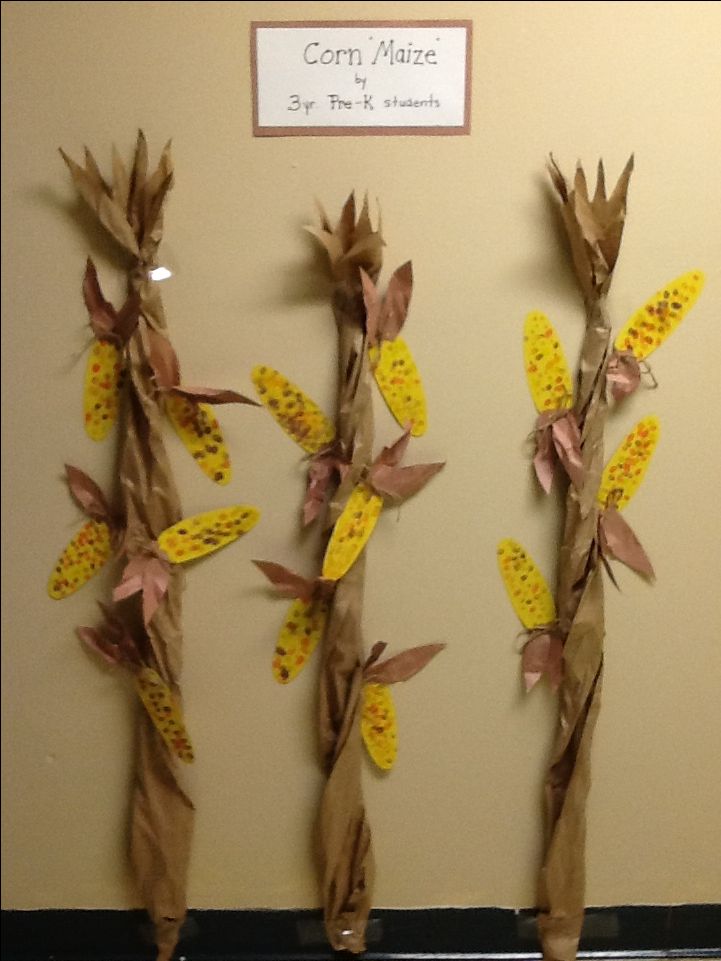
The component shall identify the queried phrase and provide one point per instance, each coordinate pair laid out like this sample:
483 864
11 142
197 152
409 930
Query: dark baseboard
427 934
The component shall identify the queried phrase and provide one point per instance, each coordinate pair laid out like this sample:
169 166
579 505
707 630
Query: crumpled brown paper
161 819
595 228
344 839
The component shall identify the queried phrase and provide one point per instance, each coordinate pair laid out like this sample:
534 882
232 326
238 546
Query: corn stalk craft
348 484
565 637
133 368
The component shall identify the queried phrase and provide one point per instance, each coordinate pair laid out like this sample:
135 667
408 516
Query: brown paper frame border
262 132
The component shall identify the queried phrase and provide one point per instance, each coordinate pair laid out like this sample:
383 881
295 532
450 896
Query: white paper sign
326 78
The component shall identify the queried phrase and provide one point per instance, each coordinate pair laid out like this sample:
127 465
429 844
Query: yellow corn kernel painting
351 532
379 727
299 416
164 712
547 373
83 557
526 587
202 534
400 384
653 323
198 428
298 638
626 469
101 393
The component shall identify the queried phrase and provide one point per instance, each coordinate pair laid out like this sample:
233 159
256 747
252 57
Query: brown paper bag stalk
346 856
131 209
594 227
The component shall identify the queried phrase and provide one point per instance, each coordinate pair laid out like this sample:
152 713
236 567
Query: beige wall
457 823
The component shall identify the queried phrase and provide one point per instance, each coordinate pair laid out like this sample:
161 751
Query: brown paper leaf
396 302
373 303
402 482
331 243
287 582
150 577
558 180
363 225
212 395
543 654
393 454
102 315
365 249
544 458
324 220
600 193
127 318
166 368
618 540
322 469
105 322
156 183
617 201
375 653
87 494
111 639
95 641
385 316
567 442
139 171
94 175
153 220
121 181
623 373
351 246
403 666
346 222
594 227
163 360
111 216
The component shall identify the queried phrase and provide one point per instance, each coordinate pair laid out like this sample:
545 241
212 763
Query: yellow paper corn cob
547 373
83 557
101 392
202 534
299 416
164 712
653 323
400 384
527 589
351 532
197 427
298 638
626 469
379 727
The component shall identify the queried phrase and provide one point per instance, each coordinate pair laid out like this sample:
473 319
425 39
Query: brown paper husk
561 895
344 838
161 814
161 830
581 616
